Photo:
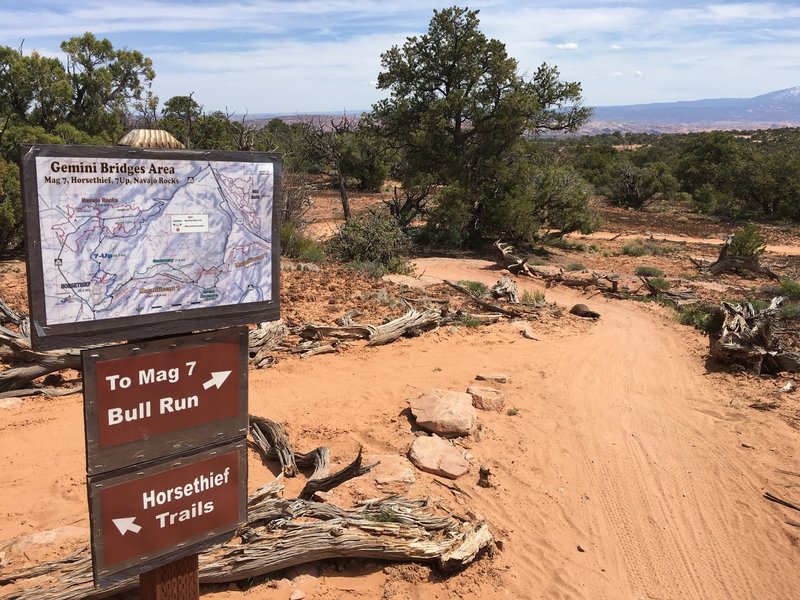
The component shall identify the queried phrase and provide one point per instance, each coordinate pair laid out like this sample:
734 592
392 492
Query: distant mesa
768 111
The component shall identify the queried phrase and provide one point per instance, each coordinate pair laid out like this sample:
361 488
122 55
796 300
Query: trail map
127 237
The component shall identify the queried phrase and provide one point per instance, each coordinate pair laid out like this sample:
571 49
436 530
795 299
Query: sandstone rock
486 398
496 377
297 595
393 473
444 412
438 456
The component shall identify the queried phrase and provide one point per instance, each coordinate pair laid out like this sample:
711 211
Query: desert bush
791 311
660 283
747 242
476 287
576 266
648 271
563 243
467 320
372 239
642 247
705 317
296 245
790 288
536 297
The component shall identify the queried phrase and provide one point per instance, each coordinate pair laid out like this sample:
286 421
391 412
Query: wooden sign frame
49 334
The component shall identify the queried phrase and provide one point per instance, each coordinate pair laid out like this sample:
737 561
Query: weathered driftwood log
506 259
283 533
271 440
728 263
677 298
747 339
517 312
506 288
263 340
27 365
410 323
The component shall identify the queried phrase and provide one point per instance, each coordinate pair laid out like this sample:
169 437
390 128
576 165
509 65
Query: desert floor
624 444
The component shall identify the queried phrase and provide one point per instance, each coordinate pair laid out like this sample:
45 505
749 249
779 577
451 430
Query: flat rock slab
446 413
438 456
486 398
496 377
393 473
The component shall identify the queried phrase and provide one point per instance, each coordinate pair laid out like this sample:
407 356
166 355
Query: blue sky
312 55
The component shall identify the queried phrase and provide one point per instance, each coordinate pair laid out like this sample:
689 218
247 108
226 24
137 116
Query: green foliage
632 186
641 247
10 206
705 317
512 412
457 109
374 238
574 267
295 245
791 311
533 194
659 283
365 158
369 267
648 271
747 243
789 288
467 320
536 297
476 287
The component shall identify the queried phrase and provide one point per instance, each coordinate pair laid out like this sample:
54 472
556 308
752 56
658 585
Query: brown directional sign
160 398
146 518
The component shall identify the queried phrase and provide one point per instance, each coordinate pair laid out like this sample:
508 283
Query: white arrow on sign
217 379
127 524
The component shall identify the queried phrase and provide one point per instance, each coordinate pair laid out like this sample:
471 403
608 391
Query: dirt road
622 475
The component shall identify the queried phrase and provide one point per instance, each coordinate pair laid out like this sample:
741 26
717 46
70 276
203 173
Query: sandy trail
623 456
621 446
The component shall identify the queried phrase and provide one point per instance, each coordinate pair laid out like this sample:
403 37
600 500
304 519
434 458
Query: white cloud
616 47
617 74
568 46
638 74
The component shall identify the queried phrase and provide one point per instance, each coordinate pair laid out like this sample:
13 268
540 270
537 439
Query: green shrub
476 287
536 297
705 317
660 283
647 271
467 320
367 267
634 249
566 244
295 245
789 288
574 267
653 247
747 243
791 311
372 239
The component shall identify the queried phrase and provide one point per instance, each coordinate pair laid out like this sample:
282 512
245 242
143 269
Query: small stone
496 377
748 446
438 456
580 548
500 544
486 398
392 472
527 333
444 412
297 595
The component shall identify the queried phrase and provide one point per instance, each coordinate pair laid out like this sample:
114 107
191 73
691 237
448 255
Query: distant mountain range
776 109
768 111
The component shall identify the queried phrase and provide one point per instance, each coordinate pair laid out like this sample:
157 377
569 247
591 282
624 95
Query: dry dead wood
264 339
747 339
410 323
506 288
26 364
282 533
677 298
271 440
506 259
483 304
726 262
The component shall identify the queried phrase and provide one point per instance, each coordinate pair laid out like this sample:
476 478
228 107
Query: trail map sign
148 400
149 517
132 243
